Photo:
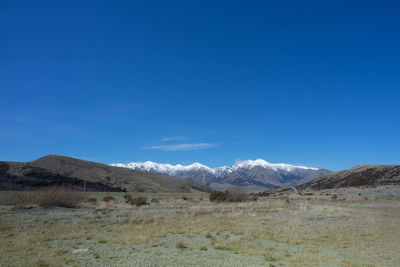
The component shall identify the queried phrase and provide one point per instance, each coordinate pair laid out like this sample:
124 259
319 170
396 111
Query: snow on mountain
169 169
262 163
245 173
163 168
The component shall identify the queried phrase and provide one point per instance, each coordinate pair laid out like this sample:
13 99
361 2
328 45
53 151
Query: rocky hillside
55 169
363 175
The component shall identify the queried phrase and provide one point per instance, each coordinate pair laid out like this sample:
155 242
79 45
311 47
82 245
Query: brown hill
362 175
55 169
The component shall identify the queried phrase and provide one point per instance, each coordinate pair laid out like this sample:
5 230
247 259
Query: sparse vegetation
237 194
60 196
219 196
155 200
108 198
140 201
269 231
234 194
92 200
128 199
180 245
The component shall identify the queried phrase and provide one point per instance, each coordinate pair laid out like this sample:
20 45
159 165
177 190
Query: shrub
108 198
180 244
61 196
237 194
92 199
218 196
128 199
20 200
234 194
140 201
253 198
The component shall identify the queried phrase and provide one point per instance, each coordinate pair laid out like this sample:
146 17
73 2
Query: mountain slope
249 173
60 167
362 175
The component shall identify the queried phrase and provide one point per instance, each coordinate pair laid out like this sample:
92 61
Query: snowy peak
163 168
169 169
252 173
262 163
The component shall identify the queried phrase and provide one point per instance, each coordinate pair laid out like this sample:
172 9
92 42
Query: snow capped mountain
163 168
258 173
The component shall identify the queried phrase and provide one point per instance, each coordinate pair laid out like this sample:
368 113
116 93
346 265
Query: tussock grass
294 233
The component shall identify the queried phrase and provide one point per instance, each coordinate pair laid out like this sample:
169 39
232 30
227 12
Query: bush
92 200
253 198
60 196
128 199
140 201
234 194
218 196
237 194
108 198
181 245
19 200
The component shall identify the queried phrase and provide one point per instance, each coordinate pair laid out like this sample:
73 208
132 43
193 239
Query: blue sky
313 83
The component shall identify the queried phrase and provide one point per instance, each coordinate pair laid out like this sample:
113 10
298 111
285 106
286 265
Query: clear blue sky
303 82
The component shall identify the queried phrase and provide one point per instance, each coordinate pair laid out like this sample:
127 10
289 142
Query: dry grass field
355 229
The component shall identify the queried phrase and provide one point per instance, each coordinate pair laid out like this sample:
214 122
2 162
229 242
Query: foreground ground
359 228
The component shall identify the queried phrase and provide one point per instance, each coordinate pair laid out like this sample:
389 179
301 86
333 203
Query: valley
345 218
282 229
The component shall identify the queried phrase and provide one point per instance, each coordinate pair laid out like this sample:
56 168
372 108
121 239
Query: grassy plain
356 229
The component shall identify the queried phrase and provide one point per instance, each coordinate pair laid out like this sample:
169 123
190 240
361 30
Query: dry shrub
180 245
128 199
234 194
60 196
219 196
91 200
19 200
284 198
140 201
237 194
108 198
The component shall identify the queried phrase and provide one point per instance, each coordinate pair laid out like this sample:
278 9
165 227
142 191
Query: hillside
60 169
362 175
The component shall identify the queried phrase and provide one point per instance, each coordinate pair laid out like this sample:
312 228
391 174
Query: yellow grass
293 233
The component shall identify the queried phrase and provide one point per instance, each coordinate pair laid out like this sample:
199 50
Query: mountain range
254 174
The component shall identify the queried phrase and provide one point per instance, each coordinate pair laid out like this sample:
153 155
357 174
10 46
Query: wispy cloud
173 138
182 147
